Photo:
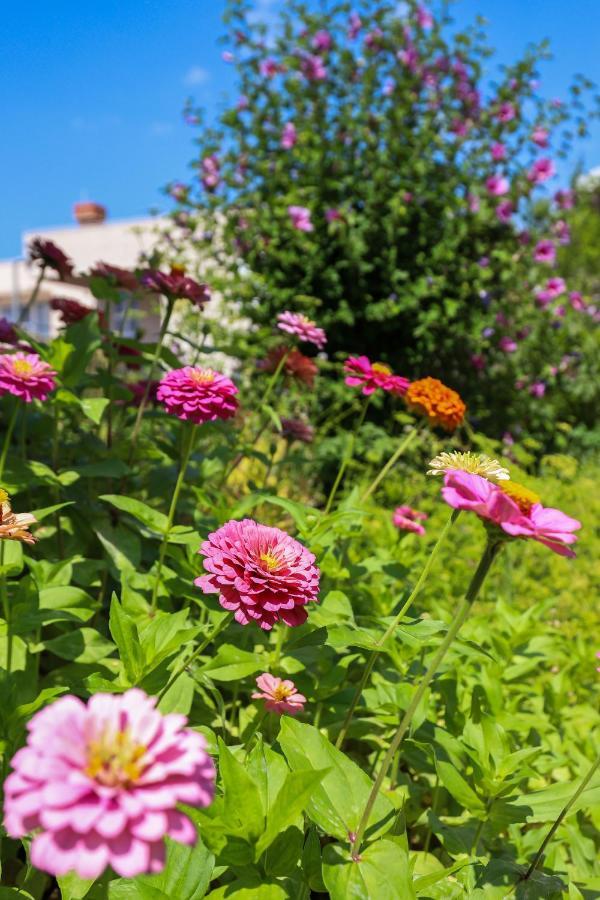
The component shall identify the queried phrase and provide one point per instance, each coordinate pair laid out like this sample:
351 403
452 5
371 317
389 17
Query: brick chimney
89 213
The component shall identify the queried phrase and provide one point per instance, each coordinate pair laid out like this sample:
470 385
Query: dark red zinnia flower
296 365
8 335
176 285
71 311
51 256
122 278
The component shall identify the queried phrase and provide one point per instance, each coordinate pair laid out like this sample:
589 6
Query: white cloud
196 75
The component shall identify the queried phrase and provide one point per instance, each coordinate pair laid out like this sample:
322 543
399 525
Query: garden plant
286 613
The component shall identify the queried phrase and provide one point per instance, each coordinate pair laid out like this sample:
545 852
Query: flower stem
489 554
275 377
586 780
200 649
187 447
279 639
7 437
393 625
24 314
153 364
6 611
347 457
402 446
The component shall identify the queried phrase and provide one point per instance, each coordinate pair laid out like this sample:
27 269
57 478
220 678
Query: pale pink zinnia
260 573
541 170
513 508
544 252
497 185
279 696
303 327
27 376
198 395
300 217
408 519
361 372
99 785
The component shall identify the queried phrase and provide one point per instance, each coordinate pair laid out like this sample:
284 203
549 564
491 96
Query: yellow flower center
270 560
115 759
202 376
282 692
522 496
305 320
22 367
3 496
381 369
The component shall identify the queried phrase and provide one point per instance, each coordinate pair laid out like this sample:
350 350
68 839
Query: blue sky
92 92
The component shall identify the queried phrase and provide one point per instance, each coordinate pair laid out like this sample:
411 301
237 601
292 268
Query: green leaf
337 804
243 803
93 407
68 598
126 638
250 889
186 876
458 787
46 511
382 871
291 800
72 887
85 645
152 518
230 663
12 558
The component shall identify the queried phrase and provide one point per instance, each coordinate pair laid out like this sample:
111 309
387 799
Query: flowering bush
379 181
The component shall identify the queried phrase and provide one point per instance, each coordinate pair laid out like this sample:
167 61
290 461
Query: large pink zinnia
361 372
514 508
302 327
198 395
99 784
26 375
279 696
261 573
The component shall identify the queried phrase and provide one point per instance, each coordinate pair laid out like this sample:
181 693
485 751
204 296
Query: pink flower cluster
100 784
551 527
279 696
198 395
300 218
541 171
26 376
408 519
210 172
361 372
289 136
261 573
304 328
553 288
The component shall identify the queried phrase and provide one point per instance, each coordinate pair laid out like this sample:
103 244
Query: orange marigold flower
440 404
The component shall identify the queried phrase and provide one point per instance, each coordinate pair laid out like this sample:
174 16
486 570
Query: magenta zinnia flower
544 252
198 395
515 509
303 327
361 372
498 151
539 136
506 112
312 67
504 211
541 171
497 185
26 375
300 217
322 41
280 696
554 288
260 573
407 519
100 785
289 136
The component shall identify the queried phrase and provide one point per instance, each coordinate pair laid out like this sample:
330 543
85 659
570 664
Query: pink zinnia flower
562 231
424 17
260 573
354 25
313 68
198 395
504 211
506 112
544 252
565 199
27 376
577 302
332 215
507 345
497 185
210 175
300 217
407 519
518 514
555 286
478 361
322 41
280 696
289 136
537 389
303 327
269 67
539 136
99 785
541 170
498 151
361 372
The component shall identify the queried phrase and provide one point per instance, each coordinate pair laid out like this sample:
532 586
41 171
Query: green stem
489 554
393 625
402 446
7 437
279 639
186 452
208 640
565 810
24 314
6 611
55 447
153 364
275 377
347 457
434 802
258 720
